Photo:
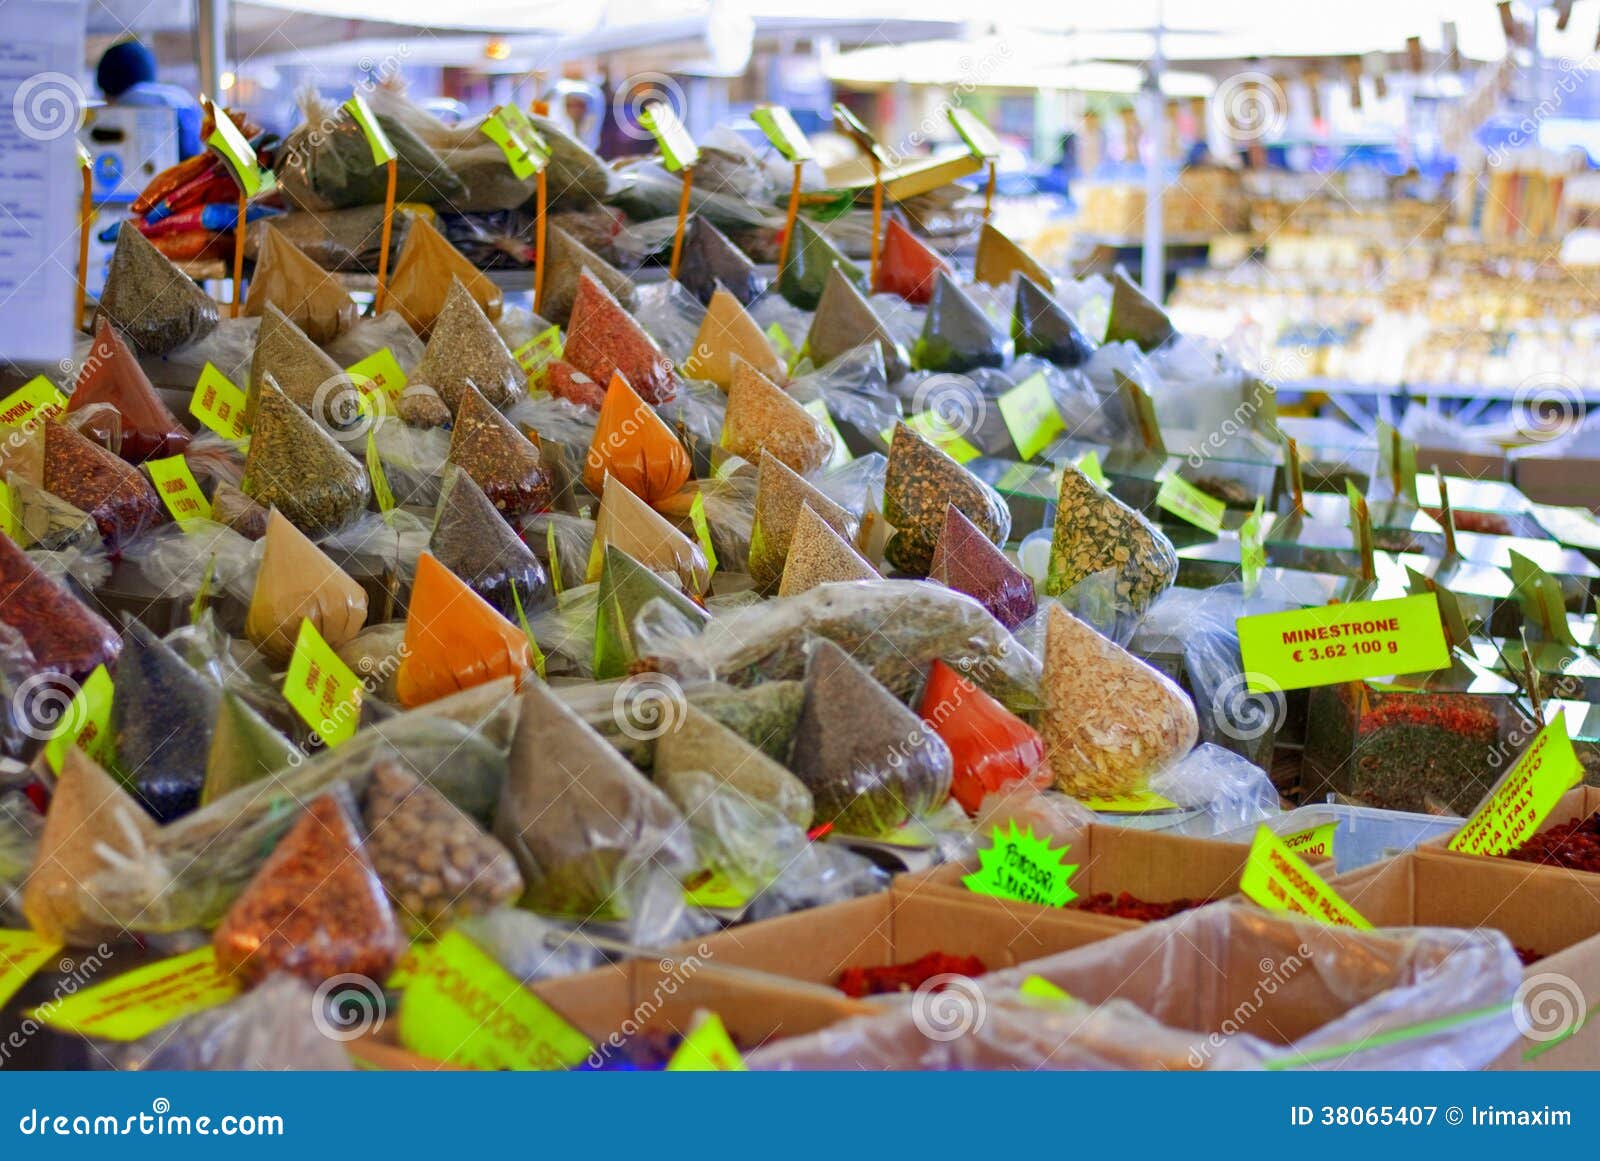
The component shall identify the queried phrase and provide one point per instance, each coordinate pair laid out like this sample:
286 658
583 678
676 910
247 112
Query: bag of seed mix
921 482
1096 531
762 416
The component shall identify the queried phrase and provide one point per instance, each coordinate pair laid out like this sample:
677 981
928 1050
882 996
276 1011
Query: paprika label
1280 880
21 954
86 722
178 489
218 404
707 1048
1031 416
1332 643
321 688
1525 797
34 402
137 1003
1017 865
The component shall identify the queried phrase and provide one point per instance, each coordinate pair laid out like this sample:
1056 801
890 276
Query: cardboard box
1563 480
1472 465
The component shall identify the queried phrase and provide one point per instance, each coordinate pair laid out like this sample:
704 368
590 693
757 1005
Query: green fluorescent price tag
702 530
1334 643
1139 802
1042 989
1031 416
240 157
555 565
1019 866
1361 529
513 116
932 427
1187 502
1253 546
707 1048
321 688
718 893
979 138
1525 796
841 454
678 149
138 1002
377 140
178 489
522 623
463 1008
1089 464
380 479
21 954
379 371
1280 880
1314 842
786 136
10 518
523 153
86 723
850 125
34 402
218 404
779 338
538 352
1539 596
1142 411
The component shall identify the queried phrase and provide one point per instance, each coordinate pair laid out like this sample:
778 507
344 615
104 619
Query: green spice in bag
245 748
296 467
921 481
464 349
473 540
1095 531
698 742
156 305
303 372
956 335
805 272
626 586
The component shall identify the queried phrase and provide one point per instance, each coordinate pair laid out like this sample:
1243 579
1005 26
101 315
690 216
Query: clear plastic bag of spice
273 1027
671 315
20 826
180 560
562 544
729 507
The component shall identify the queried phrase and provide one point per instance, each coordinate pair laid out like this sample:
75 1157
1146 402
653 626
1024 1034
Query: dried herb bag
296 582
921 481
325 163
710 260
967 561
627 522
604 340
818 555
46 521
907 266
422 274
472 540
465 349
998 258
161 716
111 375
64 635
810 260
844 321
761 416
1094 531
297 286
1134 318
1110 721
157 306
489 448
697 742
434 861
454 639
780 495
871 763
626 586
315 909
565 260
581 822
991 749
295 466
87 476
635 446
726 336
245 748
956 335
239 512
561 379
764 715
303 371
1041 328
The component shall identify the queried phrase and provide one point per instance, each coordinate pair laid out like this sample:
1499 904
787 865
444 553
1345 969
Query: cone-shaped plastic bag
1110 721
1040 327
966 560
239 512
454 639
296 467
47 521
463 349
564 381
87 476
870 762
710 259
635 446
844 321
314 910
761 416
472 540
420 406
627 522
422 274
297 582
626 586
161 715
433 860
728 334
907 266
604 340
991 749
245 748
157 306
301 370
698 742
921 481
818 555
811 258
582 823
64 635
565 259
998 258
1095 531
301 289
780 494
1134 318
111 375
956 335
489 448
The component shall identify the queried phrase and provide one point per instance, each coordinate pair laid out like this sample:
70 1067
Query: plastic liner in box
1363 835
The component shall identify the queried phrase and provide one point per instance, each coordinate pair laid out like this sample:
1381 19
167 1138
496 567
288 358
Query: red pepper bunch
1127 906
1574 844
857 982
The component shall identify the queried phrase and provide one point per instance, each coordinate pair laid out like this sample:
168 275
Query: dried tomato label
707 1048
21 954
1280 880
321 688
1018 865
137 1003
1525 797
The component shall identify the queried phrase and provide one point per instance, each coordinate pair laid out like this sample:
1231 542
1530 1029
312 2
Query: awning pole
1153 270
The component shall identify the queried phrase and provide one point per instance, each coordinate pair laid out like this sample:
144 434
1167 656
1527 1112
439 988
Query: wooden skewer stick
877 220
540 203
85 223
388 226
683 217
238 253
791 215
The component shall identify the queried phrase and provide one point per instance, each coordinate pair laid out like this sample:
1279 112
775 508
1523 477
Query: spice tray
1363 835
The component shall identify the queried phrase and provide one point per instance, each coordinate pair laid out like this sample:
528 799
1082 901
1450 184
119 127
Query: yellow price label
1280 880
707 1048
383 151
1089 464
321 688
539 352
1315 842
86 722
34 402
379 371
522 153
932 427
1140 802
137 1003
21 954
1031 416
840 454
1042 989
380 479
1334 643
1518 806
1187 502
10 514
218 404
178 489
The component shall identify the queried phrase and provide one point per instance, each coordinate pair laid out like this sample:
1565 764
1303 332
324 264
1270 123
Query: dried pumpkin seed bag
585 827
434 861
297 286
710 260
115 493
844 321
998 258
604 340
1110 721
161 716
762 417
64 635
315 909
810 260
455 639
295 466
239 512
780 494
956 335
729 335
489 448
155 305
111 375
627 522
967 561
626 587
303 371
1040 327
466 349
472 540
697 742
565 259
1134 317
921 481
421 278
634 445
871 764
907 266
818 555
296 582
1095 531
245 748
